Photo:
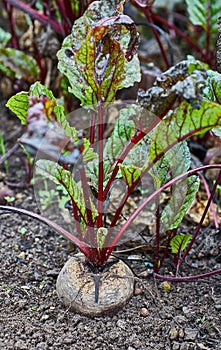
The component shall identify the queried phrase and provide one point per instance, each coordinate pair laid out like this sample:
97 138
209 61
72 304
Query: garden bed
32 317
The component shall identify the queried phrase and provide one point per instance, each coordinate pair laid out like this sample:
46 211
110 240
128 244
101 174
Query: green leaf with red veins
170 166
124 129
212 90
56 173
100 58
94 13
101 63
205 13
182 197
19 105
16 64
130 174
53 111
184 122
179 242
60 115
37 89
132 167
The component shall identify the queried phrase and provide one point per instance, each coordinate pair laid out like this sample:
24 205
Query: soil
176 316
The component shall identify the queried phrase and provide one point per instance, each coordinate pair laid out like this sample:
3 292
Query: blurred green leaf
205 13
16 64
4 37
212 90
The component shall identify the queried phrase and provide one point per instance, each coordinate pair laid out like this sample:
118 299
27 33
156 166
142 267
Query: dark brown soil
32 317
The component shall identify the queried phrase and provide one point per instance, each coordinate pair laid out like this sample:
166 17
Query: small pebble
218 306
181 333
173 334
180 319
16 247
45 317
22 255
176 346
121 324
186 310
144 312
19 195
202 347
191 333
166 286
137 291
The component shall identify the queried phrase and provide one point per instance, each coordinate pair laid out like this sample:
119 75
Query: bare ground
32 317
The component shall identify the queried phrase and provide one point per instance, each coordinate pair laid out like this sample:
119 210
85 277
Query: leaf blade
179 242
183 123
16 64
59 175
182 198
100 58
205 13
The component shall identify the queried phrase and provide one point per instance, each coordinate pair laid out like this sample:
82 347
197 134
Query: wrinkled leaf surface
182 197
99 57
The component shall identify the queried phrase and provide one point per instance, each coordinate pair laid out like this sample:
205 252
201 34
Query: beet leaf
16 64
184 122
183 194
205 16
213 87
99 56
60 176
179 242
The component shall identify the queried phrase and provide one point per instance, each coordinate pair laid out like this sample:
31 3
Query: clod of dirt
137 291
94 294
144 312
4 193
